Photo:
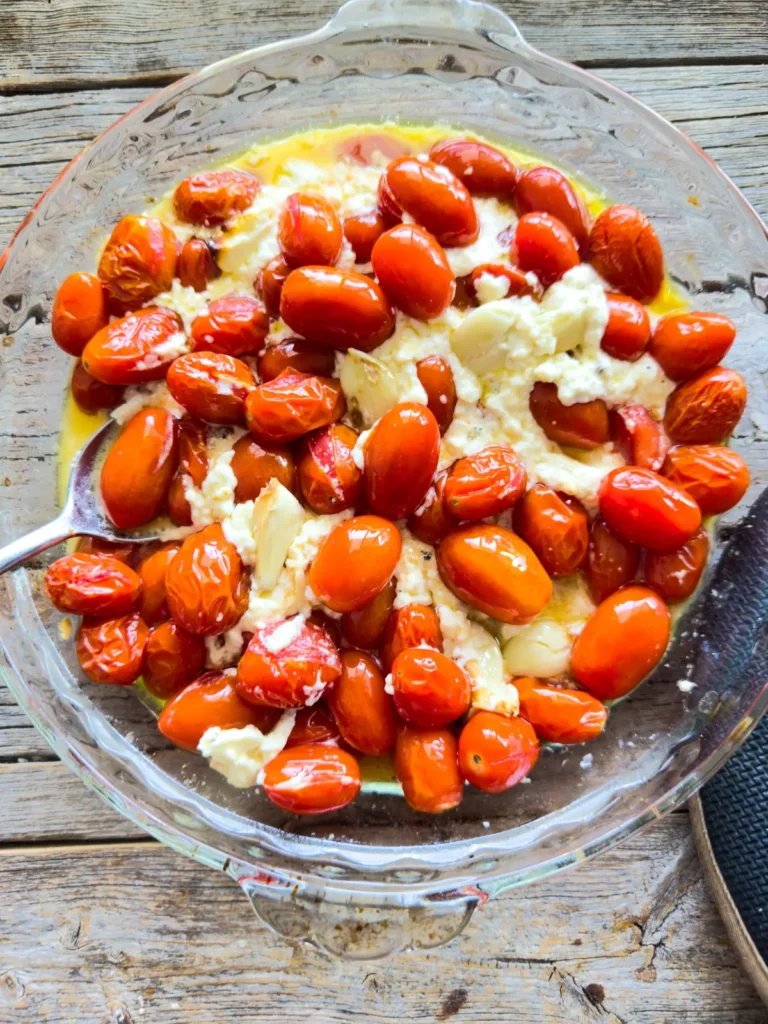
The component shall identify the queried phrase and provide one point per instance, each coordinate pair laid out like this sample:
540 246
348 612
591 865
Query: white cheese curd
284 634
224 649
241 754
215 499
173 347
491 288
541 649
493 216
154 395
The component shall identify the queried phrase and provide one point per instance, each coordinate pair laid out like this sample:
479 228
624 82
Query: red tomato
558 715
177 506
309 231
254 465
495 753
211 386
112 650
193 462
90 394
364 628
638 437
173 658
138 469
674 575
484 484
706 409
426 765
715 477
517 282
611 561
295 354
153 606
364 711
361 231
124 551
400 460
331 626
271 281
482 169
415 625
387 204
312 779
625 250
432 520
291 405
623 641
430 689
214 197
413 270
206 588
545 190
235 325
328 475
545 246
355 562
294 675
364 149
556 527
628 331
494 571
197 264
436 377
688 343
85 584
129 351
581 425
647 509
435 198
79 311
314 725
138 261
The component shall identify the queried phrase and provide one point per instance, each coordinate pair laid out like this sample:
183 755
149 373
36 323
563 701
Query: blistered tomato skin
362 231
545 190
138 261
153 606
271 280
495 753
124 351
646 509
545 246
435 198
213 197
482 169
558 715
197 265
138 468
312 779
401 457
123 551
556 528
355 562
581 425
112 650
415 625
206 588
364 628
337 308
314 724
495 571
517 282
292 676
625 250
295 354
85 584
235 325
430 689
91 394
328 476
412 268
426 765
211 386
628 331
79 311
292 405
484 484
436 377
432 521
689 343
364 711
172 659
706 408
674 575
309 231
193 462
715 477
637 436
254 465
622 642
612 562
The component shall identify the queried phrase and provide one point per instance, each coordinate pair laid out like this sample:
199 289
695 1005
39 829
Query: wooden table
101 925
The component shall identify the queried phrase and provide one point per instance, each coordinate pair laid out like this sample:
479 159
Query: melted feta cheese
241 754
154 395
494 217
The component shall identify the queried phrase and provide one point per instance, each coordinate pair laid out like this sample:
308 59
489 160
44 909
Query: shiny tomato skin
309 231
172 659
112 650
387 205
495 752
545 190
123 551
628 331
364 628
715 477
517 282
625 250
79 311
401 457
545 246
556 529
153 606
328 476
706 408
623 641
581 425
91 394
292 405
138 468
612 562
558 715
197 264
362 230
206 588
176 504
363 710
415 625
494 571
211 386
138 261
92 584
639 439
295 354
293 676
331 626
330 779
436 377
412 268
254 465
124 351
426 766
193 462
432 521
689 343
271 279
213 197
431 690
337 308
435 198
645 508
235 325
355 562
484 484
482 169
314 724
674 575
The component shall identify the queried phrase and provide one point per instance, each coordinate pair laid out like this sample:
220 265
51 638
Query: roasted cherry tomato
516 281
331 626
387 204
172 659
495 753
623 641
432 521
364 711
625 250
413 270
638 437
292 404
674 575
138 468
426 765
254 465
430 689
338 308
295 354
706 408
206 588
436 377
329 479
558 715
415 625
482 169
611 561
297 673
364 628
494 571
647 509
309 231
464 297
122 551
211 386
556 527
435 198
135 348
153 606
112 650
197 264
193 462
314 724
400 460
545 246
361 231
545 190
484 484
312 779
138 261
79 311
581 425
235 325
628 331
715 477
271 281
214 197
91 394
689 343
85 584
355 562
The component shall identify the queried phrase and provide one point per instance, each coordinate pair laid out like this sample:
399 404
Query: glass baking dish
377 877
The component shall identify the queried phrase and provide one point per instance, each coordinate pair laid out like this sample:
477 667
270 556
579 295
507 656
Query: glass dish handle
466 15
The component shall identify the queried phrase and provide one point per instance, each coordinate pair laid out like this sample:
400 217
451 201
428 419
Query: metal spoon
82 514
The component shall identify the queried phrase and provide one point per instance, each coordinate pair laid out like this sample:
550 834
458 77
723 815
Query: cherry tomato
545 190
557 528
432 520
674 575
138 261
625 250
517 282
647 509
193 462
331 626
413 270
688 343
495 753
364 628
90 394
361 231
364 711
400 460
426 765
581 425
312 779
211 700
214 197
295 354
715 477
172 659
211 386
176 504
623 641
79 311
328 475
415 625
558 715
292 404
434 197
138 469
197 264
271 281
153 606
254 465
90 584
309 231
235 325
112 650
338 308
124 552
364 149
638 437
296 674
206 588
430 689
706 408
131 350
355 562
628 331
464 296
494 571
436 377
484 484
314 724
545 246
482 169
611 561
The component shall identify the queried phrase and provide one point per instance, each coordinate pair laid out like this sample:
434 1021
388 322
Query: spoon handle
26 547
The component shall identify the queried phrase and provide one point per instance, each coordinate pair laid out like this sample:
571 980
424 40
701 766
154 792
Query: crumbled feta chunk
241 754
